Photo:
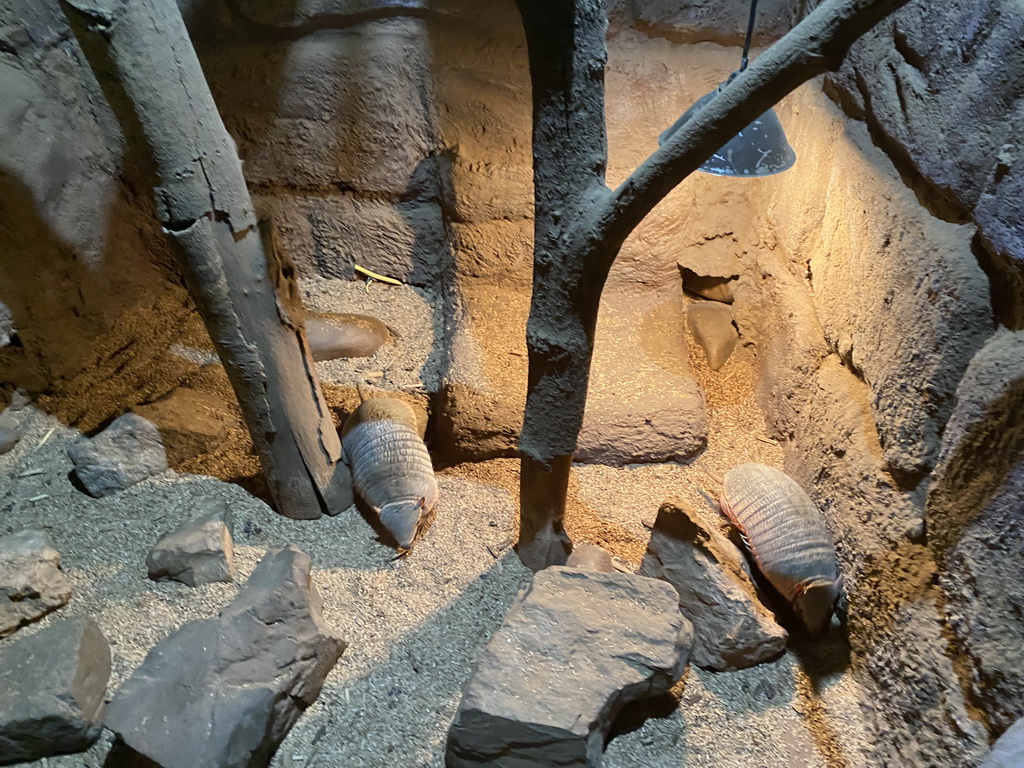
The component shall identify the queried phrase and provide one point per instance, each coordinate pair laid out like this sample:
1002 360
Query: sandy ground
414 625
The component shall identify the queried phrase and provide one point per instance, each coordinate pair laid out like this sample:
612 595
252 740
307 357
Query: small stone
588 557
9 438
733 630
53 684
575 647
198 553
225 691
712 328
126 452
345 336
1008 751
31 581
709 287
191 422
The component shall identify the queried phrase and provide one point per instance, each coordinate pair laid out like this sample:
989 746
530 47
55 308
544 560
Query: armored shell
391 468
787 537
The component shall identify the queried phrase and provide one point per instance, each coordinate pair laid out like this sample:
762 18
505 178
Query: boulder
224 692
732 629
54 683
1008 751
191 422
345 336
198 553
573 650
31 581
126 452
712 328
588 557
9 438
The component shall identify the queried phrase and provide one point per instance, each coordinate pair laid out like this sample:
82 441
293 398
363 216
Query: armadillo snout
402 520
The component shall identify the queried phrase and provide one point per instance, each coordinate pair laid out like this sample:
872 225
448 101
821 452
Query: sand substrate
414 625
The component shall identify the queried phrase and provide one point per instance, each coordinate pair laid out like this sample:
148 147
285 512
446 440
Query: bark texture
244 290
580 224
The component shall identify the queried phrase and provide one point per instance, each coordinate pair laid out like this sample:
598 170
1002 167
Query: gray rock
712 328
31 582
198 553
710 287
54 683
9 438
190 422
126 452
975 505
345 336
732 629
588 557
224 692
1008 751
573 650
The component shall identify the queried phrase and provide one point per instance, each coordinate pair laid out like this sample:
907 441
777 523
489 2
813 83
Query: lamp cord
750 34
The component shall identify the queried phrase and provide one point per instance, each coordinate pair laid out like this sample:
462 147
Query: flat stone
126 452
322 12
574 649
588 557
345 336
9 438
1008 751
31 581
198 553
712 328
732 629
225 691
191 422
53 684
643 403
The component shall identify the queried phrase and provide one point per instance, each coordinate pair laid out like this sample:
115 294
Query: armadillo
391 468
787 537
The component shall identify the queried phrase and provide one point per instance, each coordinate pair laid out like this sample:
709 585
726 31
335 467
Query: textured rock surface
225 691
199 552
732 629
190 422
1008 751
53 684
322 12
921 304
714 288
711 325
574 648
126 452
345 336
31 581
689 21
975 524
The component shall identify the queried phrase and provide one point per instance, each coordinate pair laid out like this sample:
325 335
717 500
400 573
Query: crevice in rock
1006 284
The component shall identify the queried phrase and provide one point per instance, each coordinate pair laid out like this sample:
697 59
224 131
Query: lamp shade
760 149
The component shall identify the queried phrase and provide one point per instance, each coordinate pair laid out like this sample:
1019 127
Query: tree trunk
245 292
580 224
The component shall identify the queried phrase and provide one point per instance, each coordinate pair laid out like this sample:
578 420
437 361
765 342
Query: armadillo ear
421 503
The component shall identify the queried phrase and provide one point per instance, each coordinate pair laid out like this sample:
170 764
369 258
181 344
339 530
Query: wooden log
244 290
